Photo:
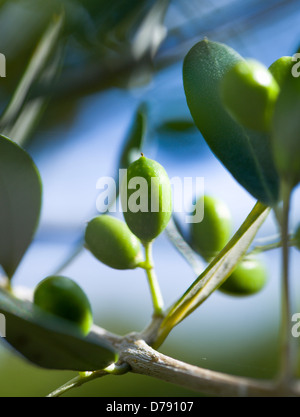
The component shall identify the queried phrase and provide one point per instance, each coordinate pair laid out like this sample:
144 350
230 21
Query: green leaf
178 240
135 138
216 272
245 153
151 32
20 203
49 342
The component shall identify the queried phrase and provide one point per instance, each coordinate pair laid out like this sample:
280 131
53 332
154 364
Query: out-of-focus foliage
96 33
101 44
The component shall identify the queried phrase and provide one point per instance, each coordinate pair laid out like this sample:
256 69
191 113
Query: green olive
62 297
146 198
210 235
249 92
111 242
249 277
281 68
285 133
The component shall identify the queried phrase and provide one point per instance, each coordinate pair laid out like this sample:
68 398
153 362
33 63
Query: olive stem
271 246
76 382
157 299
5 284
118 369
285 372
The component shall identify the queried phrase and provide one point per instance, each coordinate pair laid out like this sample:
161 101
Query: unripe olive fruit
111 242
146 198
285 133
210 235
281 68
62 297
249 277
249 92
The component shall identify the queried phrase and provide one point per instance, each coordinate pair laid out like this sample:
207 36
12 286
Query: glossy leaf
49 342
216 272
20 203
245 153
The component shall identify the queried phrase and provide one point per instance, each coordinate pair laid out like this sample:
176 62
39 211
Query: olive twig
118 369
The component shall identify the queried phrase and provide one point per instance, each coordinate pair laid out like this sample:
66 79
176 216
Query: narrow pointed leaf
135 138
176 125
49 342
20 203
245 153
151 31
176 237
217 271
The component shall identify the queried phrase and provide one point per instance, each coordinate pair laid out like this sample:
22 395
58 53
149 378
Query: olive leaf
179 240
20 203
245 153
151 31
216 272
51 342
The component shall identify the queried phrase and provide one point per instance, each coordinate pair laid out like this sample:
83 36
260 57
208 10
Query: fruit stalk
157 299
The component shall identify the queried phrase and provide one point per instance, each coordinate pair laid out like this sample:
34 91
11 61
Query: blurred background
76 72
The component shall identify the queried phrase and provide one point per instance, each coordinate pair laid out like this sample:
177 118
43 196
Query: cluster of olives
118 244
211 235
113 242
250 92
